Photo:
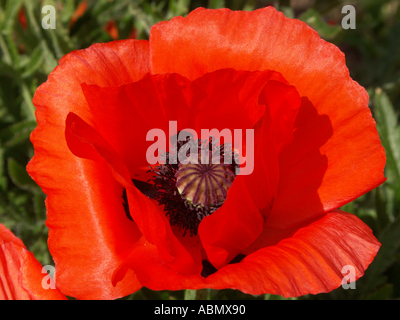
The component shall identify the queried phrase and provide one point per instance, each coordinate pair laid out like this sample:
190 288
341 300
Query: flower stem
202 294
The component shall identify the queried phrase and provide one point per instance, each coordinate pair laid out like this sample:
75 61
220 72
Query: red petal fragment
283 102
228 231
157 230
20 273
231 99
310 261
241 218
85 142
137 108
155 274
84 204
316 166
302 170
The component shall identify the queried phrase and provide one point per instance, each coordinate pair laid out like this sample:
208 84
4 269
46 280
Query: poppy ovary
194 184
203 180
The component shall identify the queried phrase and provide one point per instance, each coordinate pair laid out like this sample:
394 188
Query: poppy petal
222 99
351 159
155 274
316 167
230 99
21 274
137 108
149 219
311 261
284 102
240 220
85 229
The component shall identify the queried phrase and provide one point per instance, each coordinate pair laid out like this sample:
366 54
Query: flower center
195 188
204 184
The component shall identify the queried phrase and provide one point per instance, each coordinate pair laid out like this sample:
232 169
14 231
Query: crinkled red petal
327 166
314 259
87 239
241 219
21 274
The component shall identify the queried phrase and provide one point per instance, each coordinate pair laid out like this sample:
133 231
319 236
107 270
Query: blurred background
28 53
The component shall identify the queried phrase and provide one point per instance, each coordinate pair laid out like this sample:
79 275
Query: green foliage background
29 53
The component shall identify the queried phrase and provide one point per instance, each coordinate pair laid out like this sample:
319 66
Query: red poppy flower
21 274
279 230
22 18
112 29
79 12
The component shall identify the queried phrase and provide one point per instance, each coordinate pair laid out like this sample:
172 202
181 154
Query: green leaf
288 12
39 204
19 176
276 297
317 22
48 55
8 71
68 8
10 13
383 293
179 7
201 294
380 205
7 41
389 132
216 4
12 49
390 240
190 295
35 62
17 133
3 180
